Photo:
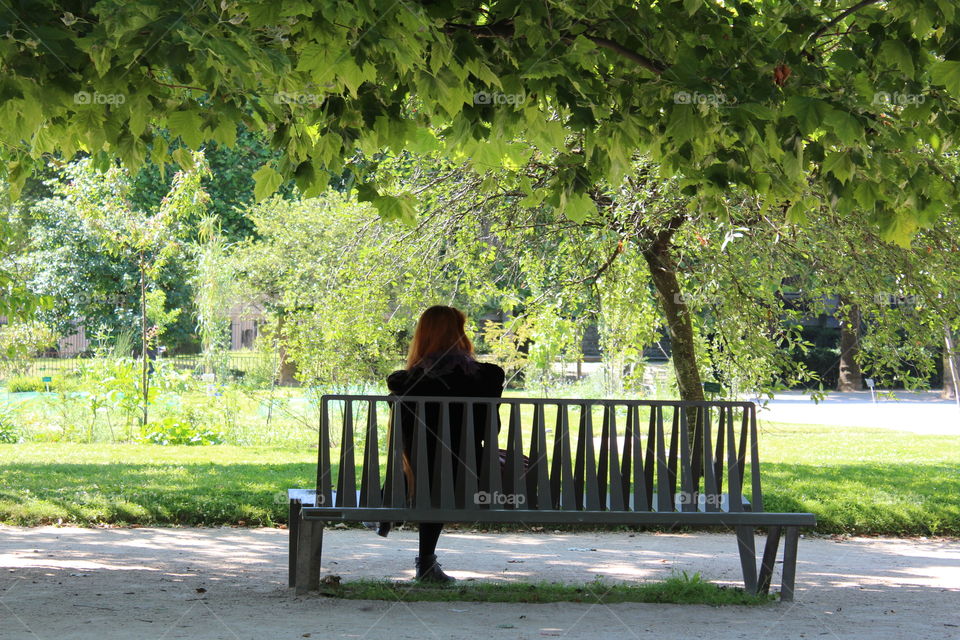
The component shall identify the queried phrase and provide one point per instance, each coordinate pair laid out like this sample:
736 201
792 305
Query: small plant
10 433
175 430
22 384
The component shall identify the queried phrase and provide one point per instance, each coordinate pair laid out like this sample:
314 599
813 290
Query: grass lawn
856 480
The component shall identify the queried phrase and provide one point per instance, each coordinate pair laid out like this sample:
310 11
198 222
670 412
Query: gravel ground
231 583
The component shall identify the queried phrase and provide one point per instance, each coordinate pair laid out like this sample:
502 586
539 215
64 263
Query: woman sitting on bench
441 363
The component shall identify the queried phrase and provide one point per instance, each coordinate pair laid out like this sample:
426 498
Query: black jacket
451 376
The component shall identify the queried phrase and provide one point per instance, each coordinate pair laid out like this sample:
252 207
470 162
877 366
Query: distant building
245 323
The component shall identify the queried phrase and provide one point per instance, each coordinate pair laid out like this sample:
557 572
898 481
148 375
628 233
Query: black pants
430 531
429 534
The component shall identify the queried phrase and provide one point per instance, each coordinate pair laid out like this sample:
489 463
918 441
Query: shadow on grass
163 493
870 498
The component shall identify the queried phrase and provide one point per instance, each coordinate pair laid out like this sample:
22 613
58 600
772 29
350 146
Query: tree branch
505 29
171 86
599 272
840 16
645 62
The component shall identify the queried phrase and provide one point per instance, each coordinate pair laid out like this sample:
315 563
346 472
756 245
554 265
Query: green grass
681 589
149 484
863 481
858 481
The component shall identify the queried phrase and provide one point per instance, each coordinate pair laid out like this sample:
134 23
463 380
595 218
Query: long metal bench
653 463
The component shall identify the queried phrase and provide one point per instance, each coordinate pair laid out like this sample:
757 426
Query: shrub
20 384
22 340
174 430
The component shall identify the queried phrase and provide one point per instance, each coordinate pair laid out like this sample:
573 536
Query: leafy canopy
766 94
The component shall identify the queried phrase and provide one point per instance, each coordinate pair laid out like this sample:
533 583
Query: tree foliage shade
769 95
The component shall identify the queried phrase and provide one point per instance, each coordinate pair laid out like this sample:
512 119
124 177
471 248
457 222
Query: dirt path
231 584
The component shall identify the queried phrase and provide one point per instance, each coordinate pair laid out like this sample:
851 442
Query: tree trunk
287 373
851 378
951 368
677 313
144 372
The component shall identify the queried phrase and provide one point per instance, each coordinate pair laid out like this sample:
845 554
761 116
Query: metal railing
68 365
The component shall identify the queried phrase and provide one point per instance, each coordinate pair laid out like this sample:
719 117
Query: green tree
215 291
146 240
764 96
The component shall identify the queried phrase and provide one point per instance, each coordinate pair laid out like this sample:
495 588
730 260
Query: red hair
440 331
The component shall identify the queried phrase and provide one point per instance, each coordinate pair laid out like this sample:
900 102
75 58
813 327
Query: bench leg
309 548
769 559
789 564
748 557
293 530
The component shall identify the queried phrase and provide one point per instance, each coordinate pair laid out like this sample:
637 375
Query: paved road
919 412
90 584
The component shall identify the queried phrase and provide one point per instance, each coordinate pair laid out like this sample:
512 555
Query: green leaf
367 192
691 6
846 59
897 54
809 112
266 181
798 210
225 133
183 157
845 126
947 73
867 194
577 206
402 208
839 164
188 125
685 123
757 110
353 75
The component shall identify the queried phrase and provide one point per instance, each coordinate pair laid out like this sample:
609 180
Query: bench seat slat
557 516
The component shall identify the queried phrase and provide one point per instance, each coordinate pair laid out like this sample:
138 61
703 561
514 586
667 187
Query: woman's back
449 377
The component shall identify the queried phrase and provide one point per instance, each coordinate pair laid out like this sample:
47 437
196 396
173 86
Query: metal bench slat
552 516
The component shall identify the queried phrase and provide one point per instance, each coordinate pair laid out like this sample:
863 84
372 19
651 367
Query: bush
174 430
20 384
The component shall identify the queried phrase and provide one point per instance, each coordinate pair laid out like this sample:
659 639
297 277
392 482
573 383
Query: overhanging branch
505 30
840 16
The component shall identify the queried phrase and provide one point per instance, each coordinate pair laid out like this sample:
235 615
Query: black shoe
428 570
382 528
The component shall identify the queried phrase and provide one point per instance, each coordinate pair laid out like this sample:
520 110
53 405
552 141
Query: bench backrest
626 455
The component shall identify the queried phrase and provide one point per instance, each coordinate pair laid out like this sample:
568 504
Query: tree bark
287 374
951 368
679 323
851 377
